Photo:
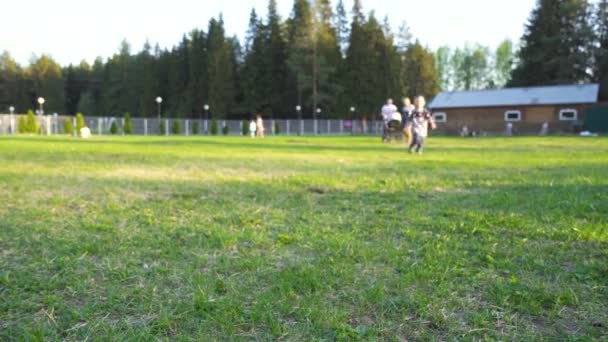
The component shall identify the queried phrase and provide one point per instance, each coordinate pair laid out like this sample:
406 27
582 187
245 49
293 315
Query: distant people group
414 120
256 127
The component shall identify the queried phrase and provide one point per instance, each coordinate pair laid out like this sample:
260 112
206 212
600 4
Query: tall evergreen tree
357 66
341 24
301 40
277 61
197 88
555 48
255 76
601 52
422 77
220 70
178 76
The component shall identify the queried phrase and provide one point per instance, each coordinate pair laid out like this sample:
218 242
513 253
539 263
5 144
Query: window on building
440 117
513 115
568 114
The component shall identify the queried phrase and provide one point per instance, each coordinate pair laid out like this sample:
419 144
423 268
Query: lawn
297 238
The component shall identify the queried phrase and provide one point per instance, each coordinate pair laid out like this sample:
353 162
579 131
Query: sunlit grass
300 238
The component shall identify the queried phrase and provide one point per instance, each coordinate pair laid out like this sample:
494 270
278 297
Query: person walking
259 124
252 128
388 111
407 111
421 121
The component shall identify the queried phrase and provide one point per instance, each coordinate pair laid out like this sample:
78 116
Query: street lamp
159 100
206 111
55 124
11 123
299 111
41 103
318 112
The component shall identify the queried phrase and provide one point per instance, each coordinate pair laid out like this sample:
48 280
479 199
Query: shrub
162 127
114 128
79 123
22 125
68 126
213 127
175 129
225 130
31 125
195 129
277 128
128 129
245 128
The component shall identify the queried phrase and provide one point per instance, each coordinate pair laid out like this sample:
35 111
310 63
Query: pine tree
356 66
422 78
300 60
145 84
220 70
175 129
79 123
601 52
178 74
255 73
276 54
327 59
128 128
68 126
197 89
31 124
556 46
22 125
341 25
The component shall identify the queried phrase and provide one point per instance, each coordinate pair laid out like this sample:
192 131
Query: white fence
53 125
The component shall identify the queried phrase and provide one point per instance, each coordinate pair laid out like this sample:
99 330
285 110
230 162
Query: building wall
492 120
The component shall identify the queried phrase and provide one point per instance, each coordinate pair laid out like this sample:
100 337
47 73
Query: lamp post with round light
11 122
299 112
206 107
352 119
206 111
41 103
159 100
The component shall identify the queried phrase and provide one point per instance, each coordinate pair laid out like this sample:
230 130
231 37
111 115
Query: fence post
341 127
206 127
328 127
122 125
287 126
146 127
272 123
187 127
74 133
166 127
301 127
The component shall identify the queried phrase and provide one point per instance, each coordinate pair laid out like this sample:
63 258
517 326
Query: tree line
321 59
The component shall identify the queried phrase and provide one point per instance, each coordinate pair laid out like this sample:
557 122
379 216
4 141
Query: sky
73 30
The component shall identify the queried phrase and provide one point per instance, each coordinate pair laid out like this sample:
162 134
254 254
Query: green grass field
303 239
